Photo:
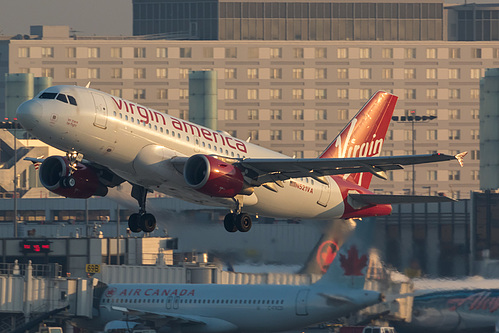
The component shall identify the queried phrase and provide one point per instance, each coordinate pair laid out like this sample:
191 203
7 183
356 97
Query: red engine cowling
212 176
84 183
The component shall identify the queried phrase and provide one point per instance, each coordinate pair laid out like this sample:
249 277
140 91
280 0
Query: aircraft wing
166 318
382 199
262 171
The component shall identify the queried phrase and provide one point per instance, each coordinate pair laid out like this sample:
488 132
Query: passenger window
62 98
72 100
48 95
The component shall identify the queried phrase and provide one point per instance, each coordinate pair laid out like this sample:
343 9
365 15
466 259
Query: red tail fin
364 135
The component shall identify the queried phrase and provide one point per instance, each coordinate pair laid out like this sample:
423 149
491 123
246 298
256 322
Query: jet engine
213 177
83 183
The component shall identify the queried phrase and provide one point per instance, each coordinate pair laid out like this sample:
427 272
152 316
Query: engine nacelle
54 172
213 177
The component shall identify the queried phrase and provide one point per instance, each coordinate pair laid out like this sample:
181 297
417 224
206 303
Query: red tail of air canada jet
109 140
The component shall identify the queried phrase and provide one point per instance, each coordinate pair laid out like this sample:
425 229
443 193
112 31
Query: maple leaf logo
326 254
352 265
110 292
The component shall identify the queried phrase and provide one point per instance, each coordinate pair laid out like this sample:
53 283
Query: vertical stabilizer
364 135
349 267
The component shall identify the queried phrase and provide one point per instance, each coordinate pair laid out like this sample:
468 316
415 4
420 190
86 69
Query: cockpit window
48 95
62 98
72 100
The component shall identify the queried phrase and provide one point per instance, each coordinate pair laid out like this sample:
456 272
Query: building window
230 52
454 114
365 94
276 114
252 73
409 73
253 134
297 73
342 53
252 114
431 93
139 73
475 93
230 114
139 94
431 53
116 52
475 155
431 134
23 52
454 73
48 52
231 73
275 93
183 93
320 53
276 73
298 154
408 135
252 93
475 73
93 73
320 93
230 94
298 135
476 53
71 73
298 52
321 73
387 73
275 52
185 52
297 93
275 135
342 73
161 73
365 73
342 114
161 52
475 134
454 93
93 52
410 53
365 53
431 73
320 114
454 175
454 134
387 53
183 114
431 175
475 175
184 73
117 92
454 53
342 93
321 135
408 175
410 93
207 52
475 114
298 114
431 112
70 52
162 93
48 72
495 53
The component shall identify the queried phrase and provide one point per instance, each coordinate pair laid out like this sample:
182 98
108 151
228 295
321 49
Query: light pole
9 125
413 119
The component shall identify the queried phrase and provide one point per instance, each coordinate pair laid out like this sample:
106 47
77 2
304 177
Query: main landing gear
235 221
141 221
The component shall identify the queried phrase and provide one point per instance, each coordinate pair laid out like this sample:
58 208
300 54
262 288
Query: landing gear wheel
133 222
243 222
67 182
147 222
229 222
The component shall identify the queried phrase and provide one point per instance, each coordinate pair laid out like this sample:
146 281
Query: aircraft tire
243 222
133 222
229 222
67 182
147 222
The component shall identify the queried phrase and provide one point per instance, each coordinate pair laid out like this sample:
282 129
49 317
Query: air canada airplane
247 308
109 140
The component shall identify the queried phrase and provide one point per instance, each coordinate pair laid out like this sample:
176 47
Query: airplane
110 140
246 308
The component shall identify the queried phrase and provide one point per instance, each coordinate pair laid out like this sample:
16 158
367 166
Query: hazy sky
100 17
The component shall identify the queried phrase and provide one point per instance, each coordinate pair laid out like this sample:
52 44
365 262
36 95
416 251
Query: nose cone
29 114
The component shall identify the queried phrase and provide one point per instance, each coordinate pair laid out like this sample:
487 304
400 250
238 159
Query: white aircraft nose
29 113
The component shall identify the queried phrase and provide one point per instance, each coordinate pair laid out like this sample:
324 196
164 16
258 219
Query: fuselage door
325 193
100 111
301 303
169 302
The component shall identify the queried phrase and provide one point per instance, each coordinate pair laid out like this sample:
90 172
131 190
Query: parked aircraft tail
364 135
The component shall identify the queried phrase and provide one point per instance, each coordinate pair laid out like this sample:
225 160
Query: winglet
88 85
459 157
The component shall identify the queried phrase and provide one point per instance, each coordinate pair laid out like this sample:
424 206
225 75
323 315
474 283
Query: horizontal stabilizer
386 199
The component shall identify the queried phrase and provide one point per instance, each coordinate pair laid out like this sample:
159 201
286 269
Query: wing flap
383 199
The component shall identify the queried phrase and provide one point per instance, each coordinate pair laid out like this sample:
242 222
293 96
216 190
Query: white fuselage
138 144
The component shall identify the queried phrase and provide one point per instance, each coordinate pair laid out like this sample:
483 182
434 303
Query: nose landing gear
141 221
73 158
